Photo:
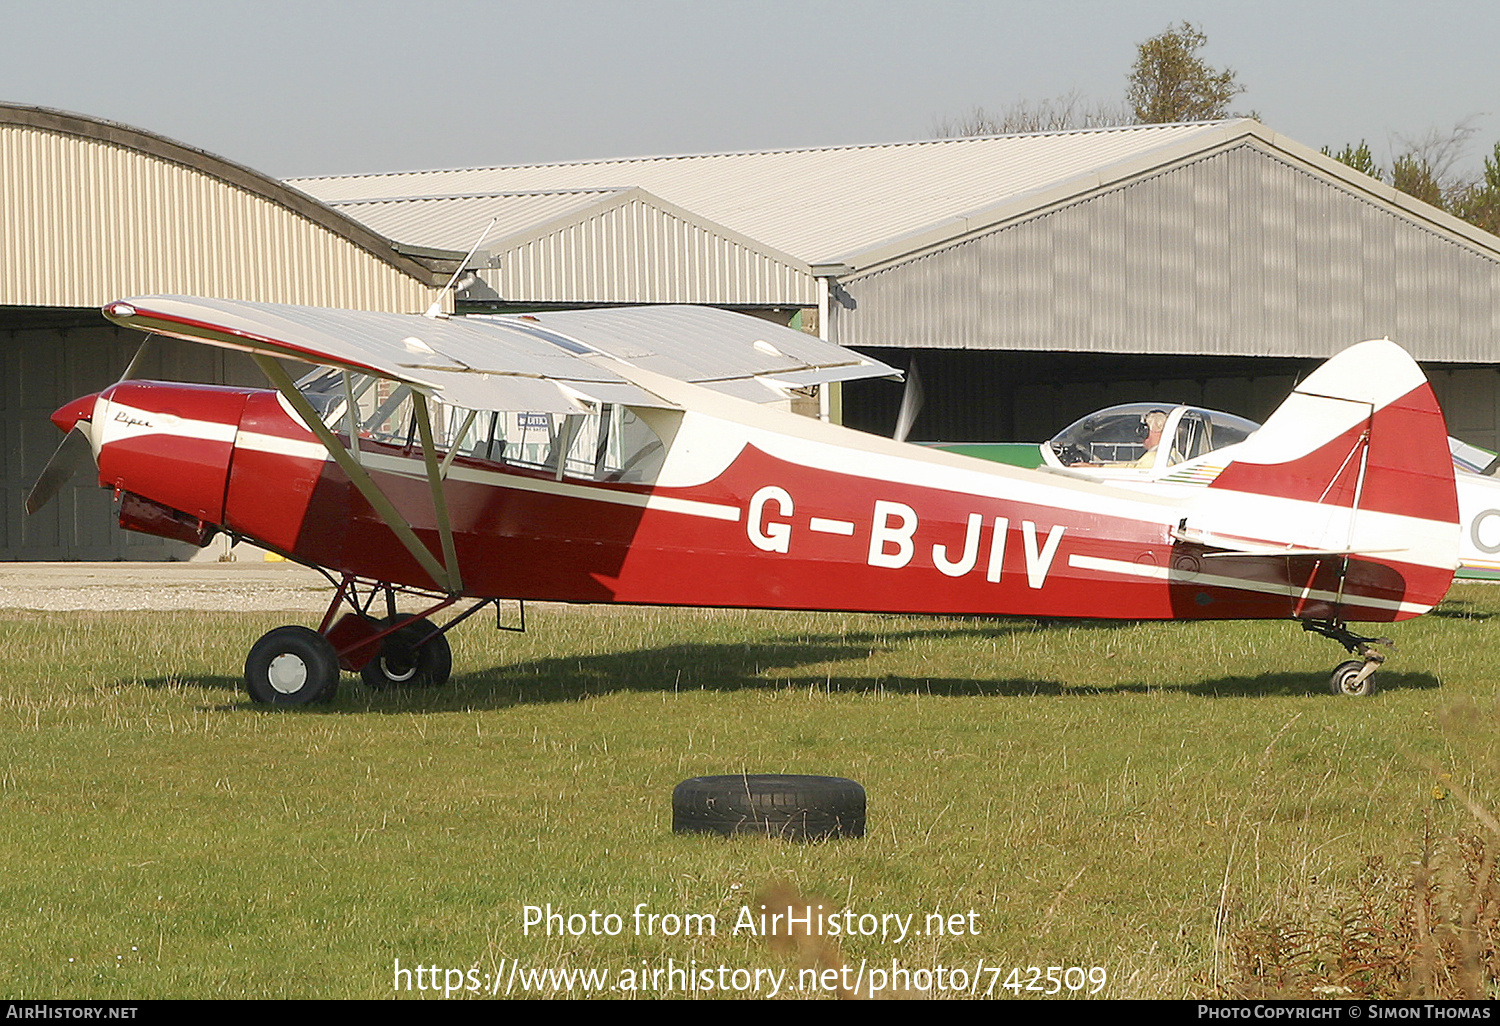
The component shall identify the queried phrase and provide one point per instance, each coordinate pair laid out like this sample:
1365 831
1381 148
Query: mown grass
1156 799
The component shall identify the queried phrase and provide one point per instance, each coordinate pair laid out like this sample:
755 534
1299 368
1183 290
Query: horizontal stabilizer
1226 546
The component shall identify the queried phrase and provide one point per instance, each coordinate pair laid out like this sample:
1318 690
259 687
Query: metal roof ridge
650 158
437 197
1221 134
624 196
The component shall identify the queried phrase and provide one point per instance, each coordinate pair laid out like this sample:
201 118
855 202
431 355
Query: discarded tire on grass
801 808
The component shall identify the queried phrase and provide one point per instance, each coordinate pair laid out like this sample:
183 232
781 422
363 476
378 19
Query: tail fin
1354 464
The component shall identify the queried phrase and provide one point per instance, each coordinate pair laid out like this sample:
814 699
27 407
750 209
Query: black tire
800 808
1342 680
291 665
404 663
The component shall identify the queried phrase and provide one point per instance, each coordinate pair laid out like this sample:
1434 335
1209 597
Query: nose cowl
70 414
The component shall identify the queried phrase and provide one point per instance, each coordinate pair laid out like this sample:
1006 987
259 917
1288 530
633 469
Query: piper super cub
631 456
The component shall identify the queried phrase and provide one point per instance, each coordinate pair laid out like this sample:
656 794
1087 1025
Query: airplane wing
537 362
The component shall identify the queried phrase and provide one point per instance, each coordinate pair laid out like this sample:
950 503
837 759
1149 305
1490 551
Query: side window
1202 431
1227 429
386 414
1192 438
607 443
382 408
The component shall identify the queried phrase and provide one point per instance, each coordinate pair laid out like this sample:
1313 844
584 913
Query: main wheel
291 665
1342 681
405 660
771 804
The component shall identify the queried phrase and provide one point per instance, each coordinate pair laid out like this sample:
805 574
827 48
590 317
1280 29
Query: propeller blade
912 399
71 453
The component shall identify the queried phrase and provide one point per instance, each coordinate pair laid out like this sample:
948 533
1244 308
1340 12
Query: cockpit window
1132 436
603 443
1112 437
1202 431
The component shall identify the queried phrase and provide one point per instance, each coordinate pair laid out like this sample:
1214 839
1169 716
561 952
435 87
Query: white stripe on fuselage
114 422
1174 575
1422 541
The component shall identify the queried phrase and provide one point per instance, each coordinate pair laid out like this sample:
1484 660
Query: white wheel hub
287 673
398 676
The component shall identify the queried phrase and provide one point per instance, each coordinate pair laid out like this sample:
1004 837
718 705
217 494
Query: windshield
1130 436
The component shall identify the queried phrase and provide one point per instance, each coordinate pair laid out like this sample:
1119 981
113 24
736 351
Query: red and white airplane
630 456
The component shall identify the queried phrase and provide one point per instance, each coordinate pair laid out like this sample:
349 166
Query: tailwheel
416 655
1351 678
291 665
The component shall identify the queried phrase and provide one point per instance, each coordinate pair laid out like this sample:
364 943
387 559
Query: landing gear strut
416 655
1353 677
295 665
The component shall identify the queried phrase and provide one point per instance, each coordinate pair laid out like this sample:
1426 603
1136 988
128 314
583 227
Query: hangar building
1037 277
1033 277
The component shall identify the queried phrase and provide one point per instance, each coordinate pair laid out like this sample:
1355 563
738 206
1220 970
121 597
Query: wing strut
448 580
435 484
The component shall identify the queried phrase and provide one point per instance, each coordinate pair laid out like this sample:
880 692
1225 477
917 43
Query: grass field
1183 805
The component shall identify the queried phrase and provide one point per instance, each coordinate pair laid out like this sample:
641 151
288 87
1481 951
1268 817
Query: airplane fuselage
743 513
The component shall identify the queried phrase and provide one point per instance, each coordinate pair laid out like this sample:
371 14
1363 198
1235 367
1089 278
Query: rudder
1355 462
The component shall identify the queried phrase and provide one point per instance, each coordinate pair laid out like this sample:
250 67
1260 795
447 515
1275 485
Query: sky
314 88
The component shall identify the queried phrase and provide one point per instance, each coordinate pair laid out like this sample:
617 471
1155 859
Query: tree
1358 158
1427 169
1061 114
1168 83
1480 203
1171 83
1414 176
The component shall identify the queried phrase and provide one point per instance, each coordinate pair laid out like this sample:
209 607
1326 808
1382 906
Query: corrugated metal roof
91 210
754 226
819 205
607 245
454 222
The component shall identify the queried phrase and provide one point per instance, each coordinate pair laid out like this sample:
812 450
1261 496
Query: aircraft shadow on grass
776 664
1459 609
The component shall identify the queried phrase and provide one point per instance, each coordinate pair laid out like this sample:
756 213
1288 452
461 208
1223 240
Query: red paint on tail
1401 451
